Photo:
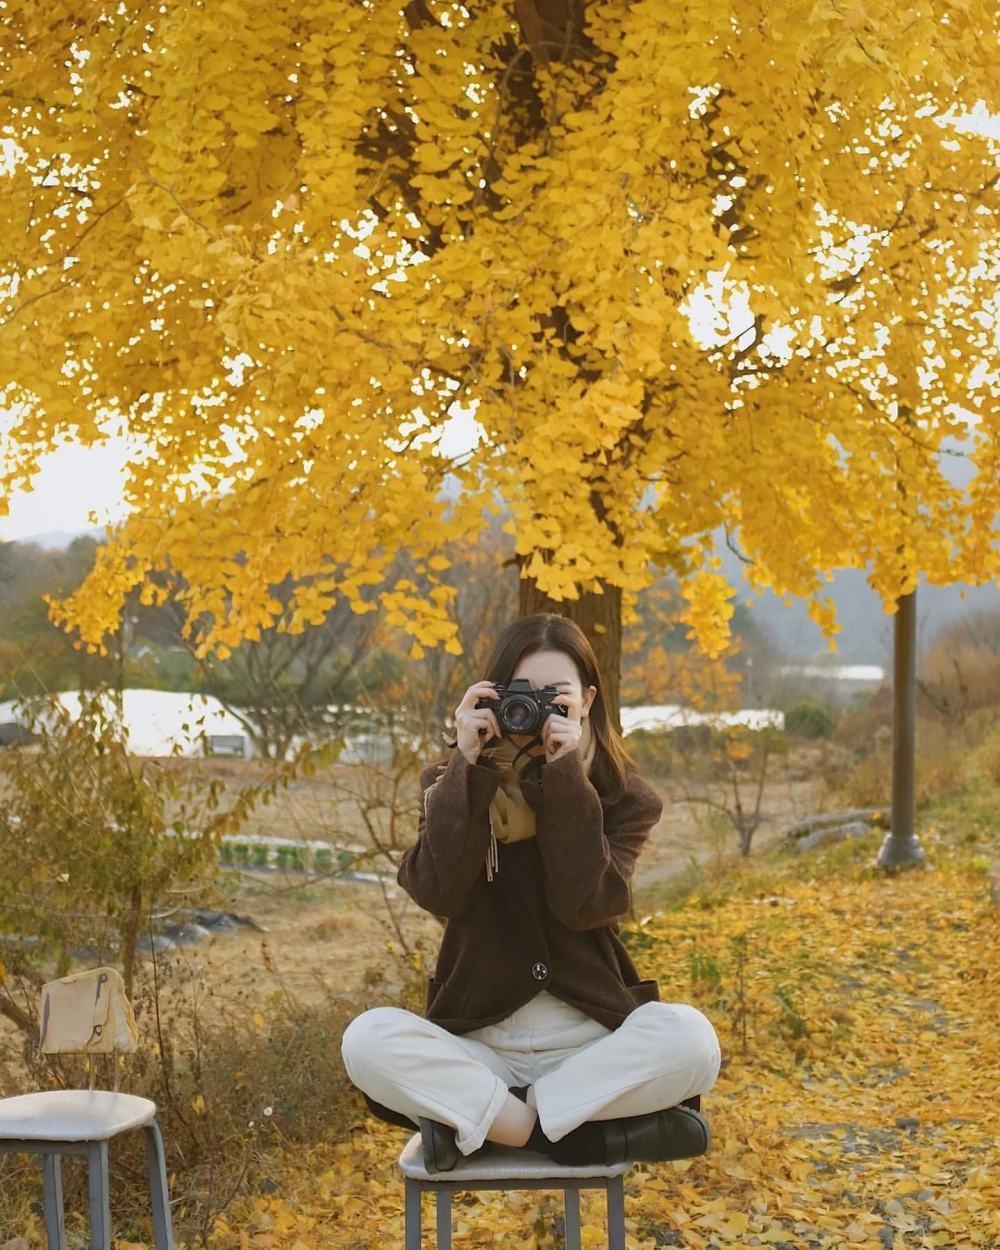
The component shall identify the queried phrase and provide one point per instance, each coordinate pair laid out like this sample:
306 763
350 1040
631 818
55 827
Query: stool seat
503 1163
72 1115
506 1167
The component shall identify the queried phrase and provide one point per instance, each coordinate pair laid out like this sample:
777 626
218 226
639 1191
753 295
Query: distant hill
866 631
57 540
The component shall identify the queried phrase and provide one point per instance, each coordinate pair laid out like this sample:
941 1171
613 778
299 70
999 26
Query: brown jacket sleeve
588 854
453 835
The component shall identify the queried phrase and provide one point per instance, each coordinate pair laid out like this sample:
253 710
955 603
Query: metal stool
503 1167
80 1122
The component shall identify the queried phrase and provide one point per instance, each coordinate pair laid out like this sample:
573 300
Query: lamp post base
900 852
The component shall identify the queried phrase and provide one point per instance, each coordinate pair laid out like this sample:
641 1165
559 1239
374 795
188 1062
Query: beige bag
87 1013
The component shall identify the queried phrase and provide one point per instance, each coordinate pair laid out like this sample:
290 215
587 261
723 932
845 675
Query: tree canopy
278 243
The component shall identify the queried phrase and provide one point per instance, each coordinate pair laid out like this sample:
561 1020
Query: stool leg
55 1213
100 1206
412 1221
443 1219
571 1198
159 1190
616 1213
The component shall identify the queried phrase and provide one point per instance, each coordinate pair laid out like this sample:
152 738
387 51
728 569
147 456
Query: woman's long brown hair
546 632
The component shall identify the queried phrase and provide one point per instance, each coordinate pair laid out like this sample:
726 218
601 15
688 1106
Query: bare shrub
982 733
961 672
866 723
981 727
869 783
723 770
941 768
941 774
94 838
96 841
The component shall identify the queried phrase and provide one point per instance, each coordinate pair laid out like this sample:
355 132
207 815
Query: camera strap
535 742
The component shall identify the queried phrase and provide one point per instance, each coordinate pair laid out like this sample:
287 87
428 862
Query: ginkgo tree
281 245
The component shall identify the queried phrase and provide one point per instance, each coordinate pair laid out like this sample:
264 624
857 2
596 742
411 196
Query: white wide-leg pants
661 1054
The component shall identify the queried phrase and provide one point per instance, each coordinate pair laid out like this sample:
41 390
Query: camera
523 709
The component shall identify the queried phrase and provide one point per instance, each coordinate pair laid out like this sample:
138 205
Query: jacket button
539 972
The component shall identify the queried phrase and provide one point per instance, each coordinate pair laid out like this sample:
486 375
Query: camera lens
519 715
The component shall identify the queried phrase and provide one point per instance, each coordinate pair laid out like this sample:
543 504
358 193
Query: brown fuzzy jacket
548 919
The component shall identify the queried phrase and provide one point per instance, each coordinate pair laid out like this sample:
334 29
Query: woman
538 1030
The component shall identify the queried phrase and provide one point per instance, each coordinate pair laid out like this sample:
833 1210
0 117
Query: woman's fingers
571 706
559 735
472 722
481 719
481 690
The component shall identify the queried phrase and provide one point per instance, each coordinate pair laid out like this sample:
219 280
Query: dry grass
239 1060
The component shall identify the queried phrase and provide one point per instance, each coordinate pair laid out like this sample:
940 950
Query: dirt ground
324 937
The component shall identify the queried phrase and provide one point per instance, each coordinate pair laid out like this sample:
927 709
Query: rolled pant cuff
556 1127
472 1140
557 1130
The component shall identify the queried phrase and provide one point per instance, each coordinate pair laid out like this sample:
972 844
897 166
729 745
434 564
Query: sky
74 481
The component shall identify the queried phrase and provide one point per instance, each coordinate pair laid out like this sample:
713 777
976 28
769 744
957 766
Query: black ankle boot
382 1112
677 1133
440 1149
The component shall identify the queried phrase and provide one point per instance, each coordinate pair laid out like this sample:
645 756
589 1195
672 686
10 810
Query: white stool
503 1167
58 1122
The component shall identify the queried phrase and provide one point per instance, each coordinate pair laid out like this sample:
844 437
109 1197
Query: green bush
810 718
290 858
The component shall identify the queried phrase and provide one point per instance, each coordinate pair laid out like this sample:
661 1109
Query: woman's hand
472 722
562 734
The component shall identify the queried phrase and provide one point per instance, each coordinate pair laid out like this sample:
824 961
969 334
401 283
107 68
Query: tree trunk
553 29
130 938
600 618
13 1012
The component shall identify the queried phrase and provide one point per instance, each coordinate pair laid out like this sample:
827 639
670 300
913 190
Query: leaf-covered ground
859 1103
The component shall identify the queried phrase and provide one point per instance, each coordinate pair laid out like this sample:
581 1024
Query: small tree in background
35 655
721 769
279 684
662 664
94 839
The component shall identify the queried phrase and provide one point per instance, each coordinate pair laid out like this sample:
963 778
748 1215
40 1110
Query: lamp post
901 848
